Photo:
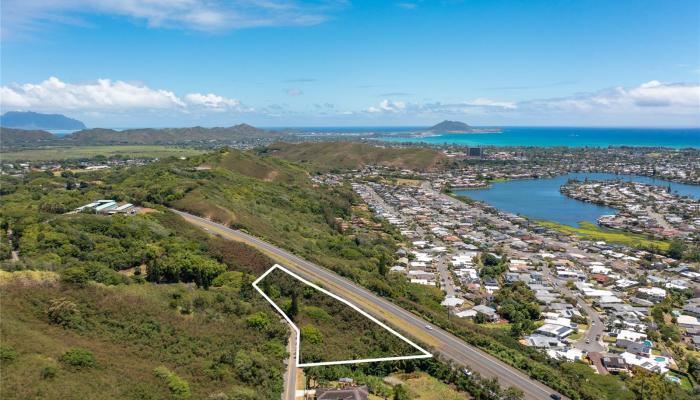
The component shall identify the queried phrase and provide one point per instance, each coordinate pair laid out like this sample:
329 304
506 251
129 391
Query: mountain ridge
34 120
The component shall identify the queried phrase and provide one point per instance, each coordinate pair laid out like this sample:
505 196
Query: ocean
545 201
518 136
571 137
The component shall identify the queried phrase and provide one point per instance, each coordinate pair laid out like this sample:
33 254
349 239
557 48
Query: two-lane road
440 341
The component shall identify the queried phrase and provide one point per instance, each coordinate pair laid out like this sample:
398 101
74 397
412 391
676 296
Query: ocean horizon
565 136
510 136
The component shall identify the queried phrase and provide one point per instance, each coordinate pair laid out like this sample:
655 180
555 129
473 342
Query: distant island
34 120
460 127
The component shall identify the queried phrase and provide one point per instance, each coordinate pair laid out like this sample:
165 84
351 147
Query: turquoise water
541 199
571 137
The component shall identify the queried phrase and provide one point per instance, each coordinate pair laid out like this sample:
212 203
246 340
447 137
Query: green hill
326 156
10 137
193 135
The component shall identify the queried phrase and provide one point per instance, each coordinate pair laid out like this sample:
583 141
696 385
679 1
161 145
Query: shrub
49 372
7 354
259 320
78 358
312 334
65 313
230 279
179 388
75 276
103 274
317 313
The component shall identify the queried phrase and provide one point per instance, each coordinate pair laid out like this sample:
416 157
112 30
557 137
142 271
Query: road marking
425 354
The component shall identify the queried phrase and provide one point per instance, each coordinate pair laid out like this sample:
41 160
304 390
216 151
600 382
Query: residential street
290 383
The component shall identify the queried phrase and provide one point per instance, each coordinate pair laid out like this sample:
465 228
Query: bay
541 199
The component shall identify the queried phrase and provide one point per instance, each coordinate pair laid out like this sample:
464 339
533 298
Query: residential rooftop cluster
609 305
643 208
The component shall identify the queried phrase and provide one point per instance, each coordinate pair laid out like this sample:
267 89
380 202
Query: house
122 209
688 321
652 293
346 393
597 361
696 342
466 314
544 342
452 301
489 312
555 331
640 349
614 364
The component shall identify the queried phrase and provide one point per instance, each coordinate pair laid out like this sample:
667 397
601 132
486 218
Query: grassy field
78 152
424 387
594 232
409 182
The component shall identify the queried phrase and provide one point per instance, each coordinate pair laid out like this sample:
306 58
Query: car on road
428 327
588 341
554 396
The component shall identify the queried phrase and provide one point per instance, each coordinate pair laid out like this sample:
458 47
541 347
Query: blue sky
334 63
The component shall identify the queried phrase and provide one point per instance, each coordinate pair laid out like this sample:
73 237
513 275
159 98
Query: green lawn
425 387
594 232
78 152
685 382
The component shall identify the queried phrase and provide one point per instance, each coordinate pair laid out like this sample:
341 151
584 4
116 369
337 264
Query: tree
312 334
75 276
246 291
676 249
294 307
178 387
649 386
78 358
512 393
694 367
382 264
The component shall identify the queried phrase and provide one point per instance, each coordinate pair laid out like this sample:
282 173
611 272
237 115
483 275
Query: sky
270 63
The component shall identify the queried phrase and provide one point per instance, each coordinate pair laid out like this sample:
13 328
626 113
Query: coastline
676 138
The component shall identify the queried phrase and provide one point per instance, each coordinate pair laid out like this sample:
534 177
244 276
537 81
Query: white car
428 327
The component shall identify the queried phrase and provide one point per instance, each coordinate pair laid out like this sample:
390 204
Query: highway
436 339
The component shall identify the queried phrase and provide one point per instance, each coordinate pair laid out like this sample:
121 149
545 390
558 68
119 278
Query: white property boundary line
425 354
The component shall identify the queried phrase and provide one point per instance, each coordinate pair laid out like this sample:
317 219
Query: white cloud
481 102
672 98
466 107
294 92
204 15
108 96
388 106
212 101
667 102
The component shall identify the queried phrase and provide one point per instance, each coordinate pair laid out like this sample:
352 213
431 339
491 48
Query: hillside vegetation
267 196
330 330
327 156
91 341
54 153
168 135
